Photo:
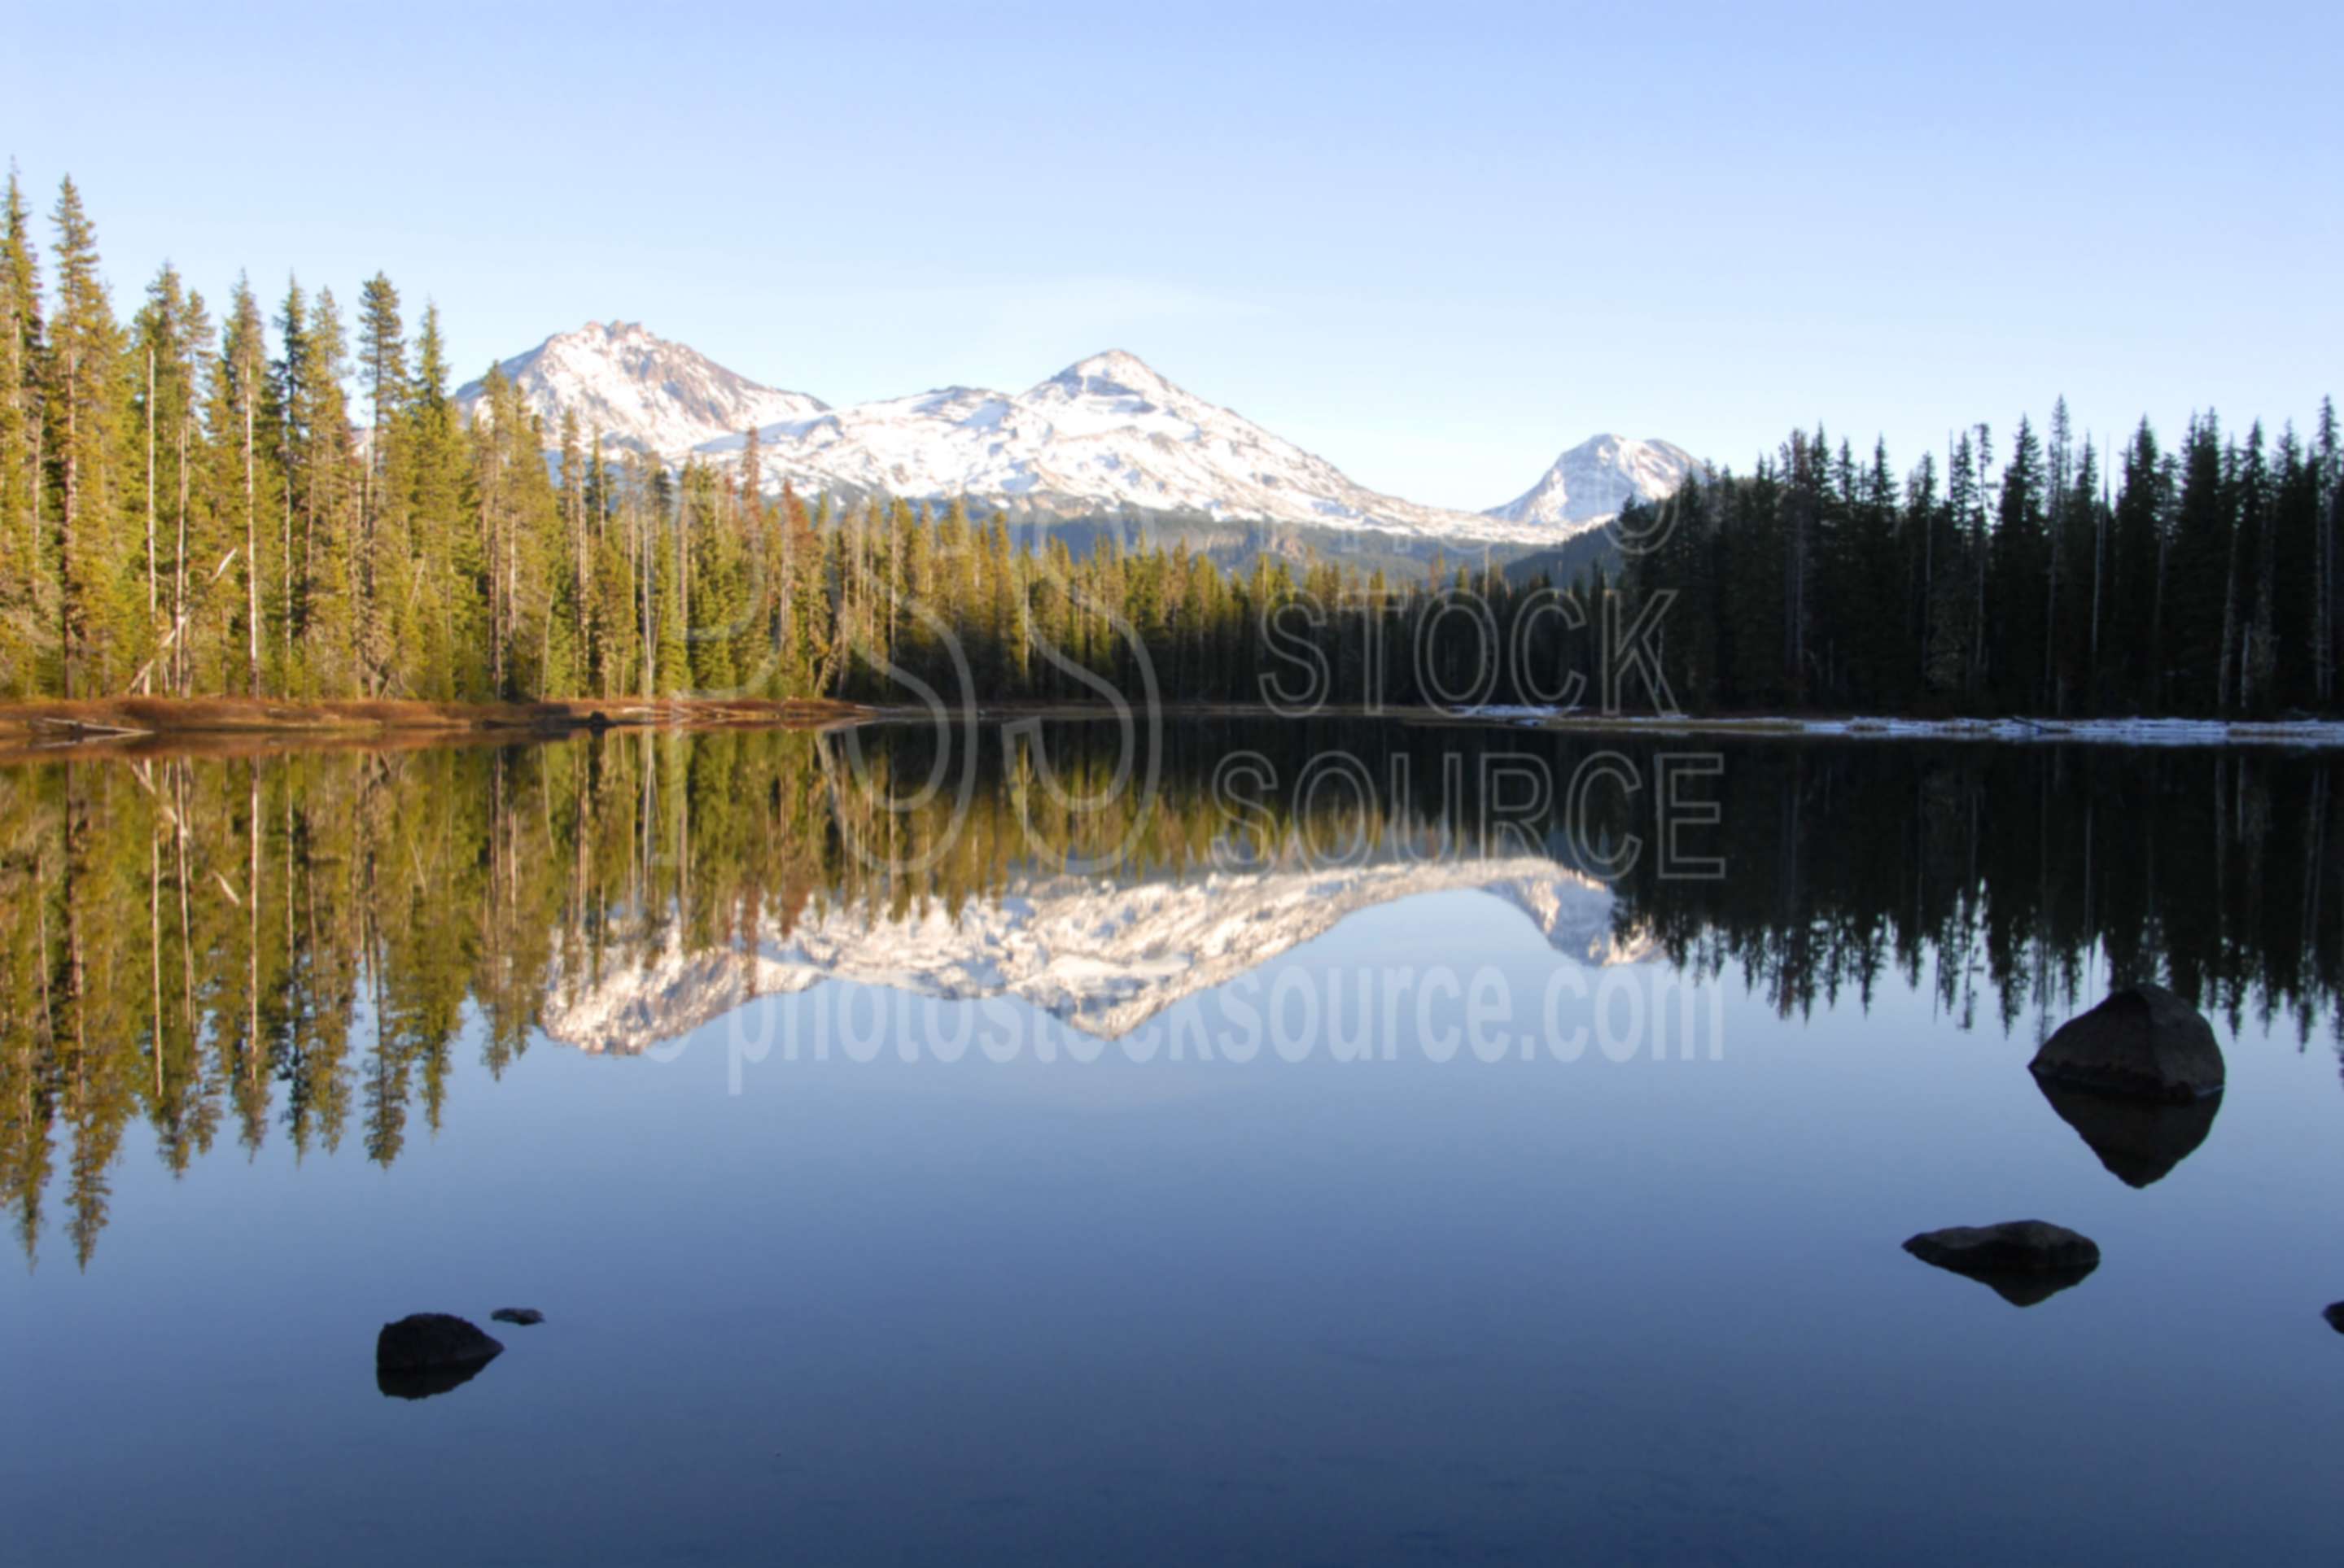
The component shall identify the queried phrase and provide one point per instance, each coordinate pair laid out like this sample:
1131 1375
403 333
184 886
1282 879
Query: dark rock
424 1385
522 1315
431 1342
2334 1313
2139 1140
2142 1042
429 1353
2022 1261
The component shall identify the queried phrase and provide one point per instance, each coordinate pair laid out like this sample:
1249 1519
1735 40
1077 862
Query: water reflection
2139 1140
428 1383
232 950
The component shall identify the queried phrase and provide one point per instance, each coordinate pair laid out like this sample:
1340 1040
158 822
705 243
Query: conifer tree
168 340
2020 566
446 581
25 626
384 546
241 487
2199 623
328 627
83 428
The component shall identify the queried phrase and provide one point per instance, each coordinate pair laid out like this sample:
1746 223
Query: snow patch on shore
2099 731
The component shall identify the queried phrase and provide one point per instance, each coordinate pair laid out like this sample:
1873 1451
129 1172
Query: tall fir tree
96 631
28 624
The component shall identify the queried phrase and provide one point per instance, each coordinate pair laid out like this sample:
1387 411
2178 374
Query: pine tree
330 616
447 572
96 632
26 625
2142 504
2328 632
286 397
1952 637
574 592
384 547
2198 625
2294 552
2251 546
2020 565
244 477
168 340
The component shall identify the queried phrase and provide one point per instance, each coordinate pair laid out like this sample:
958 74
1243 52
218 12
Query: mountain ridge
640 391
1595 478
1105 436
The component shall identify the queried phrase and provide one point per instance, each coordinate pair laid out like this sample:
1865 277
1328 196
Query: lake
1331 1141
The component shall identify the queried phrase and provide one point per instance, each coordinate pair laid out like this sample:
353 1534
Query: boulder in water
2022 1261
522 1316
426 1353
2143 1041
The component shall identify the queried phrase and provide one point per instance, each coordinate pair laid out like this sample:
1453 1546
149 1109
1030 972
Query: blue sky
1435 244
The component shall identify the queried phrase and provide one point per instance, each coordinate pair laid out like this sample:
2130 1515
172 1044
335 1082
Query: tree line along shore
287 506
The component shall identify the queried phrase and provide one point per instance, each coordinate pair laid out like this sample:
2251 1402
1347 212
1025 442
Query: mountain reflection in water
291 947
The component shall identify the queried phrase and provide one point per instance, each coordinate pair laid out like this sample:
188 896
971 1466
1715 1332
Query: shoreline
51 726
237 724
2315 732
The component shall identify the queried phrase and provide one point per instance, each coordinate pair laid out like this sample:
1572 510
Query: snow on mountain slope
1106 435
641 392
1590 482
1102 959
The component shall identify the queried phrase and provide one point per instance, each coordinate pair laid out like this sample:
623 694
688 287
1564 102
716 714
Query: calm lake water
1237 1159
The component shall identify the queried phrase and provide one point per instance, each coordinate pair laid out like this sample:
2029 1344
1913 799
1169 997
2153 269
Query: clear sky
1433 243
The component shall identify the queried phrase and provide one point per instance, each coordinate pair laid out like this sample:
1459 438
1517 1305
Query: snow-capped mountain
1104 959
640 392
1105 434
1589 483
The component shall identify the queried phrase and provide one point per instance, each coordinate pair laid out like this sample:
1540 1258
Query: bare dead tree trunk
186 929
2324 659
285 456
69 516
576 577
2229 662
154 947
2099 555
180 668
251 551
252 928
1979 536
641 545
151 595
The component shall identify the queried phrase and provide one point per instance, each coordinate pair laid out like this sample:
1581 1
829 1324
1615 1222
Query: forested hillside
282 499
2196 581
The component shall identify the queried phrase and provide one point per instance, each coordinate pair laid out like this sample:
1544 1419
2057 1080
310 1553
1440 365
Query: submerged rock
2022 1261
2142 1042
2139 1140
522 1316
